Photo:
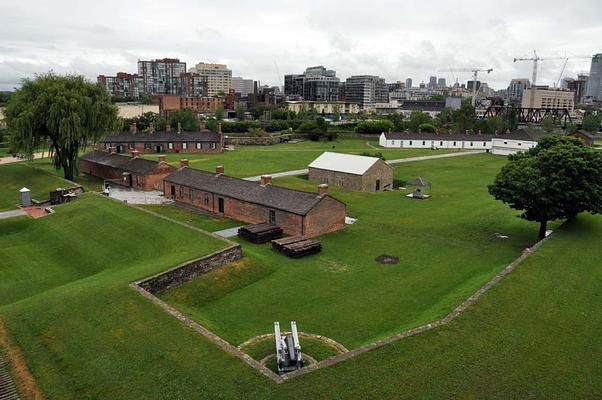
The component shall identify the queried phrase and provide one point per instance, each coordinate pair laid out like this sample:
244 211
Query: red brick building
167 141
170 102
296 212
127 171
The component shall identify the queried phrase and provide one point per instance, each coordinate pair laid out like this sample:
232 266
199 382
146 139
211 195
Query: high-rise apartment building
315 84
366 90
516 88
161 76
594 84
578 86
242 86
432 82
441 83
122 85
219 77
408 83
193 85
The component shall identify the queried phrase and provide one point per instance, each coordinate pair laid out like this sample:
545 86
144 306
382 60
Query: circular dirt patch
385 259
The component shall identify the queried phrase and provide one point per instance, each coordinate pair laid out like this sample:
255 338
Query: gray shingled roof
162 137
518 134
128 164
294 201
437 136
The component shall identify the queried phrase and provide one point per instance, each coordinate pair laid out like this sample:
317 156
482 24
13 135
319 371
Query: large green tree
557 179
67 111
591 123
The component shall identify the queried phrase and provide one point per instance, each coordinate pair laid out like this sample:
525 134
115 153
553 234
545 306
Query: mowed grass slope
535 335
17 175
246 161
447 247
84 238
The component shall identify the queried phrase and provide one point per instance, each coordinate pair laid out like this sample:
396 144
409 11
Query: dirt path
28 388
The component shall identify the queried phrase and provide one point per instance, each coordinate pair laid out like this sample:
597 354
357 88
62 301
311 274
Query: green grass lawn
446 245
17 175
88 182
86 334
207 222
246 161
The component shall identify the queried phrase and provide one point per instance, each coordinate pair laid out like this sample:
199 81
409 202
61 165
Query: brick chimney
151 127
167 128
219 169
133 128
266 180
183 162
135 153
179 127
219 128
202 126
479 131
162 158
322 188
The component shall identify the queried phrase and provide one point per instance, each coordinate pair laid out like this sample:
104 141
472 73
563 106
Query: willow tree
67 111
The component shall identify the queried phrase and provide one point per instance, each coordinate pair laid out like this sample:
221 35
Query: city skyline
394 41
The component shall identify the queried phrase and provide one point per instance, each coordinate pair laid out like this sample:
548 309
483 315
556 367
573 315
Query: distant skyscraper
441 83
242 86
219 77
161 76
594 84
316 84
408 83
366 90
578 86
516 88
432 82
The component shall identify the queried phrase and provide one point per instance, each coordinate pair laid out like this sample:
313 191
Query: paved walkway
227 233
279 174
132 196
398 161
11 159
12 213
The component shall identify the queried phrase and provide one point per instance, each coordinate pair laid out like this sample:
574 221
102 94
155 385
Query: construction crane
536 59
475 72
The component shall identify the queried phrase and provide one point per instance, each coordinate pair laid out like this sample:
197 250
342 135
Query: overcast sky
264 40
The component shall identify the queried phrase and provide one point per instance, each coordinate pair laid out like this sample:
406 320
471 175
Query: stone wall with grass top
184 272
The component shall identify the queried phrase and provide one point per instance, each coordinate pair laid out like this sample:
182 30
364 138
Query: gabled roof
475 137
294 201
347 163
586 134
143 137
127 164
525 133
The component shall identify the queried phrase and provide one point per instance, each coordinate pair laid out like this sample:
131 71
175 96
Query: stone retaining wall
252 140
184 272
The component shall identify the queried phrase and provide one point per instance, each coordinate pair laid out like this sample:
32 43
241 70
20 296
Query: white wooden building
503 144
518 140
413 140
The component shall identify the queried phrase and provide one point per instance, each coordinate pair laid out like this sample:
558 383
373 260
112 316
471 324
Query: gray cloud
268 38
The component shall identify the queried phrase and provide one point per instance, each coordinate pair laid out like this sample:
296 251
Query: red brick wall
177 147
151 181
327 216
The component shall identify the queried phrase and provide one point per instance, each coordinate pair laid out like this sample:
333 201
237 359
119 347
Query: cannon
288 349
